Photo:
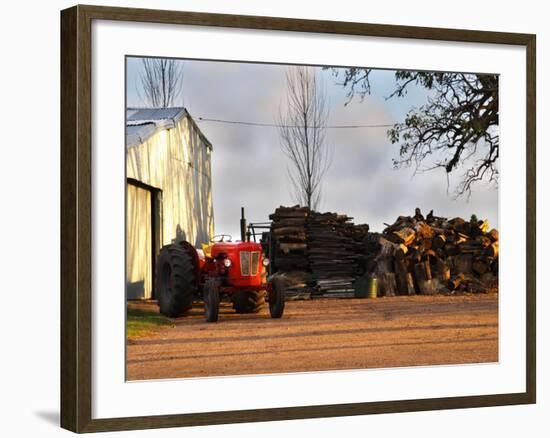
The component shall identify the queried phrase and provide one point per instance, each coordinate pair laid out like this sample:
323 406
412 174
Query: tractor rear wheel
277 298
211 300
175 280
248 302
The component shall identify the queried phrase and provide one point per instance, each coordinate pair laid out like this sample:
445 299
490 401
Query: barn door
139 243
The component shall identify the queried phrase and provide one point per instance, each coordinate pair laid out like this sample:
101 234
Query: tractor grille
255 257
245 263
249 262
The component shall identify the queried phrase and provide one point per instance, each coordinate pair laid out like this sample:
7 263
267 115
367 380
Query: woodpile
436 255
323 254
289 244
335 253
298 284
289 250
326 246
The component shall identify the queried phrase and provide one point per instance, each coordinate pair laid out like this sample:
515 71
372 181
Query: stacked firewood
323 254
299 285
320 253
428 255
334 253
288 231
289 246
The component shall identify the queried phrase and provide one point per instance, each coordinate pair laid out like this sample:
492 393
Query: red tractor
237 270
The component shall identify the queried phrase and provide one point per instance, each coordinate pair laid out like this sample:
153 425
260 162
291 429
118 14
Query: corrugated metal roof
142 123
133 114
130 112
137 134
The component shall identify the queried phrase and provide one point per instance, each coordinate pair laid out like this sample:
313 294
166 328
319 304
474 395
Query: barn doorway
143 219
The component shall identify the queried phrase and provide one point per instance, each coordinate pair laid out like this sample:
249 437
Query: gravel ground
321 335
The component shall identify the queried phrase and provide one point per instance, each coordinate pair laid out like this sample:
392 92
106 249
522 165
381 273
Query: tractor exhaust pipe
243 226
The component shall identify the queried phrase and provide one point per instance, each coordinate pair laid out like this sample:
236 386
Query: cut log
430 256
287 247
405 236
463 263
443 272
480 266
420 272
400 266
492 250
418 214
390 284
455 283
484 226
424 231
450 249
287 230
428 270
490 280
415 256
428 287
405 283
439 241
427 244
485 241
463 227
460 238
401 251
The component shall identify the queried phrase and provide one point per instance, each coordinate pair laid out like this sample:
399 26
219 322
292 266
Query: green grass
143 322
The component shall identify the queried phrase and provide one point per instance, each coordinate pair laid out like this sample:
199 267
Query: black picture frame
76 217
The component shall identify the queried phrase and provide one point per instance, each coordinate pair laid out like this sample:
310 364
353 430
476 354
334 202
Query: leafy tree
455 130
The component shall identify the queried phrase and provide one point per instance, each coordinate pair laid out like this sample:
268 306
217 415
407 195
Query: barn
169 190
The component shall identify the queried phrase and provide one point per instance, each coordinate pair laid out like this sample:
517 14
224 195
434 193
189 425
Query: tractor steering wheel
221 238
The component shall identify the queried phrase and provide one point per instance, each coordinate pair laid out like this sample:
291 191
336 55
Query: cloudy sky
250 170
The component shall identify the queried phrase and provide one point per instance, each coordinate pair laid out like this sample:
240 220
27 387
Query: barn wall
177 161
139 243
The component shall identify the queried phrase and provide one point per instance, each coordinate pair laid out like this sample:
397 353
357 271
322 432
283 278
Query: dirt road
322 335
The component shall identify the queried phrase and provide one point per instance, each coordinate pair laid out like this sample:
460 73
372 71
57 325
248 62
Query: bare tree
161 82
302 128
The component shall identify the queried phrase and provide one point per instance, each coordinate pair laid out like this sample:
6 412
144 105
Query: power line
274 125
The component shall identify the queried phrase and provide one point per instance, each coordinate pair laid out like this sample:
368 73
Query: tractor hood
234 247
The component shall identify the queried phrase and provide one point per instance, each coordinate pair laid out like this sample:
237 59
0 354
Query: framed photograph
268 219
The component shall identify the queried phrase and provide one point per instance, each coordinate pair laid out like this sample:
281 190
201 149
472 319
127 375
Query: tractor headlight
227 263
265 261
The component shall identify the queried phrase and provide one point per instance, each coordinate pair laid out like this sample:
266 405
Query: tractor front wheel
277 298
248 301
211 300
